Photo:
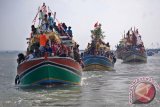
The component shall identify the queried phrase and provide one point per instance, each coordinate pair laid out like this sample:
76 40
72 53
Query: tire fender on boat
17 79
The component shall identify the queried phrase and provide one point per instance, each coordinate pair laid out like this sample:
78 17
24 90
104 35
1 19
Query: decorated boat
98 56
131 47
50 57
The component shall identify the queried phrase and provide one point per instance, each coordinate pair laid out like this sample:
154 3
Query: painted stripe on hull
135 58
66 61
49 72
97 63
54 64
97 67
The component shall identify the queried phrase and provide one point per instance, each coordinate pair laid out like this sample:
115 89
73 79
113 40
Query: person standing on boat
134 39
139 41
64 27
55 27
45 23
50 22
33 31
44 8
41 17
69 32
60 29
43 41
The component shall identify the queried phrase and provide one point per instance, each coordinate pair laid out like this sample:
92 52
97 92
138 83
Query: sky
116 16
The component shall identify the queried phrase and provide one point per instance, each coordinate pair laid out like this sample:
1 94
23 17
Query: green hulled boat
53 70
48 67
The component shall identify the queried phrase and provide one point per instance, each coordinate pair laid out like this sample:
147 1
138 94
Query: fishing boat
131 48
134 56
49 68
98 56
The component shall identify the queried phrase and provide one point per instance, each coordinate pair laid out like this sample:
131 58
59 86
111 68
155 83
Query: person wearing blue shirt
50 21
48 50
69 31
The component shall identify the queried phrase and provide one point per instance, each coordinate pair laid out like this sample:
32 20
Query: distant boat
131 48
153 52
150 53
49 69
97 56
134 56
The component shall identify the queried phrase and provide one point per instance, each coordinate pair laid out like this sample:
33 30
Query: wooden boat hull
54 70
97 63
134 57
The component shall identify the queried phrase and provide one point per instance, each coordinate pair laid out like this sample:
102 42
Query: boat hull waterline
97 63
135 57
51 71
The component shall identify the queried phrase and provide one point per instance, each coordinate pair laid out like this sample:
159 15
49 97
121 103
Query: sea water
98 88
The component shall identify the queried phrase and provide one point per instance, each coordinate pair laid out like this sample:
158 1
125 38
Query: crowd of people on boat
47 23
132 41
99 48
43 49
40 44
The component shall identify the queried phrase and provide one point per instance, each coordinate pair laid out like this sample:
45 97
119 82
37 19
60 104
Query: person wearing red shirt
42 41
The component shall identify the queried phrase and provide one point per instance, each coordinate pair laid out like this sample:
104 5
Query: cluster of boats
49 70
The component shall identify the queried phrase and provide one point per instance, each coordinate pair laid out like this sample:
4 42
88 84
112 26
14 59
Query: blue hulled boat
97 56
95 62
